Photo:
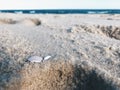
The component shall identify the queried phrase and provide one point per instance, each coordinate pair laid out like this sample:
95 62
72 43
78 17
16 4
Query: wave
98 12
18 12
32 12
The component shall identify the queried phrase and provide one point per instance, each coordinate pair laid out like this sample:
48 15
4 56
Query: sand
84 50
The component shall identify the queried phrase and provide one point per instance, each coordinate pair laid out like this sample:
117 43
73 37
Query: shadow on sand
58 76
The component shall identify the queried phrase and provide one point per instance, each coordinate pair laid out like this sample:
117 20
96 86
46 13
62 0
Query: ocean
65 11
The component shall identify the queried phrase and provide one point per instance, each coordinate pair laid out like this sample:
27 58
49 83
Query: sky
59 4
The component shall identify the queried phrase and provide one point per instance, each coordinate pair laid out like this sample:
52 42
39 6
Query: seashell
35 59
47 57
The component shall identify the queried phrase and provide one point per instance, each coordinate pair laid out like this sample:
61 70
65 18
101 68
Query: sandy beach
84 50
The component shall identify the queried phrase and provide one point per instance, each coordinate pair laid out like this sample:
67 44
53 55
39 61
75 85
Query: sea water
65 11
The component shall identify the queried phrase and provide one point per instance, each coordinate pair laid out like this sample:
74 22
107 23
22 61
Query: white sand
88 41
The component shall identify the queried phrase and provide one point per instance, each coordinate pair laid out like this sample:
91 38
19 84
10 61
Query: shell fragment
36 59
47 57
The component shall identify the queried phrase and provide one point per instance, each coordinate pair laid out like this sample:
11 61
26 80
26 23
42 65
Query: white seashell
47 57
35 59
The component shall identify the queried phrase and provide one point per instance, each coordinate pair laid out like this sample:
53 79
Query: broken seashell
35 59
47 57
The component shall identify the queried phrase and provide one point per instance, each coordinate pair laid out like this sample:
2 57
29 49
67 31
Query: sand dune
25 21
84 50
30 22
109 31
7 21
